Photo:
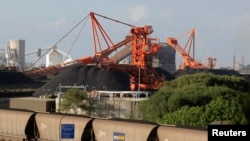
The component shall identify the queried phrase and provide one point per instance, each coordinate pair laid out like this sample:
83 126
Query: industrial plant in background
56 56
14 56
140 56
145 54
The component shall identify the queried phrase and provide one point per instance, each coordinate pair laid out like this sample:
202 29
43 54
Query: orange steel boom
142 75
100 56
142 49
188 60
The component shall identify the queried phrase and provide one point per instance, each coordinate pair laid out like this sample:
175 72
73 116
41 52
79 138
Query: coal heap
163 73
10 77
93 77
86 75
15 84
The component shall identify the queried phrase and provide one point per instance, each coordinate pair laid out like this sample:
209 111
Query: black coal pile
163 73
214 71
92 77
16 84
9 77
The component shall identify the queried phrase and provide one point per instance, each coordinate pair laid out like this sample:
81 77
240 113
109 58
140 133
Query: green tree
198 100
1 66
155 108
73 99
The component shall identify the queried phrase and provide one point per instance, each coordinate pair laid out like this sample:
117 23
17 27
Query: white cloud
57 24
138 12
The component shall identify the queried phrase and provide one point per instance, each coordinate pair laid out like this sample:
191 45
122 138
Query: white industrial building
56 56
14 55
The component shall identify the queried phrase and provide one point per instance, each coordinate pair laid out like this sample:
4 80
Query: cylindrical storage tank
19 46
172 133
54 57
16 125
113 130
53 127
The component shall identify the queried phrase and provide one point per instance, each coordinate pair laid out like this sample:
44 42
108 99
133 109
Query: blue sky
223 27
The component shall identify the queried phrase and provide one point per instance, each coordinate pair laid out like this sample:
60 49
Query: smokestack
234 59
234 62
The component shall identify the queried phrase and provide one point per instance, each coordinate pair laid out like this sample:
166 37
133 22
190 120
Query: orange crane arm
102 56
188 61
142 74
174 43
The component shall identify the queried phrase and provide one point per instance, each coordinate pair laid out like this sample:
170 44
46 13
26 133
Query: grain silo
54 57
18 47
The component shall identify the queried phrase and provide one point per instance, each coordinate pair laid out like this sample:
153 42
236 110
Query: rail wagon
173 133
121 130
23 125
17 125
52 127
